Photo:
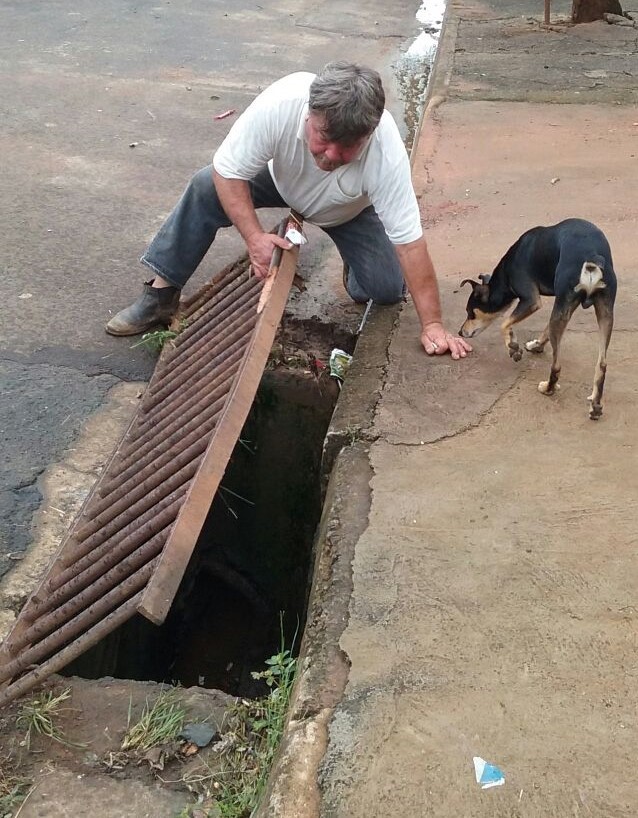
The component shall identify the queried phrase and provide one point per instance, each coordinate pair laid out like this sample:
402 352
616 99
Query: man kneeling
323 145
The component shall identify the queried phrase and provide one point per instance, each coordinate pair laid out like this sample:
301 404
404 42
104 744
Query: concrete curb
441 72
323 667
353 416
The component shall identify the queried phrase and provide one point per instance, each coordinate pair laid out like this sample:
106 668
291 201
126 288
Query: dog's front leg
522 311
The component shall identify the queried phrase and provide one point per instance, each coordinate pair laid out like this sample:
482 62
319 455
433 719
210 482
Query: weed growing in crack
353 434
156 340
246 749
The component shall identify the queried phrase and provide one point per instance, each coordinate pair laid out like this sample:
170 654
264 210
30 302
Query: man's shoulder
387 140
387 127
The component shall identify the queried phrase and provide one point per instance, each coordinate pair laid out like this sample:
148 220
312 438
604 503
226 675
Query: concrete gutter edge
353 416
441 73
294 787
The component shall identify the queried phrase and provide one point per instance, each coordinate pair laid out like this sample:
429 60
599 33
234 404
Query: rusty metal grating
129 547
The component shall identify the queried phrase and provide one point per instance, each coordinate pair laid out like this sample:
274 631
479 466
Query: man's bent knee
385 299
380 292
202 181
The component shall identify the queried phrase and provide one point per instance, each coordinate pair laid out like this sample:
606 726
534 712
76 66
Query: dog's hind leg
557 324
523 310
605 318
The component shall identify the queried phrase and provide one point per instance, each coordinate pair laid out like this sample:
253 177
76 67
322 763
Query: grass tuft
160 723
38 716
156 340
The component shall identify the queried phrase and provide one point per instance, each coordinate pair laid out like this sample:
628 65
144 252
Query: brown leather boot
156 305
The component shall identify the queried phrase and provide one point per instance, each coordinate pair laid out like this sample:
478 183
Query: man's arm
420 278
234 194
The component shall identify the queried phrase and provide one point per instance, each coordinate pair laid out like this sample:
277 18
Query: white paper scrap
295 237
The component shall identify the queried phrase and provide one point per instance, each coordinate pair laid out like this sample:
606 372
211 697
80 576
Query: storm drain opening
250 572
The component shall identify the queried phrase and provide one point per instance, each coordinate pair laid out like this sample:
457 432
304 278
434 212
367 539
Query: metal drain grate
130 545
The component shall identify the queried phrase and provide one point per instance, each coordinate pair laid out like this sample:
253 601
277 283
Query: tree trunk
585 11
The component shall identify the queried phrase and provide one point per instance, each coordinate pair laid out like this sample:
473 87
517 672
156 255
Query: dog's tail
591 280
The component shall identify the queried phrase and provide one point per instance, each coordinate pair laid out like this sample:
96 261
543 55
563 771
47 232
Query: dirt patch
88 767
307 344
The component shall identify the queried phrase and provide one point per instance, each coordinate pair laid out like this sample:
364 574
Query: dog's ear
485 278
479 291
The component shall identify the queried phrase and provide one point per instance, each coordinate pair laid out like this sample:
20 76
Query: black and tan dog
570 260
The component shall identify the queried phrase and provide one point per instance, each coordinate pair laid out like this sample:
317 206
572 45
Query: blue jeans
187 234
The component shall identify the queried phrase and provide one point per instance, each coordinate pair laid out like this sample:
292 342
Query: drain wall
252 559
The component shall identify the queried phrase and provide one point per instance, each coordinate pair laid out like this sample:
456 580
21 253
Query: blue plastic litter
487 775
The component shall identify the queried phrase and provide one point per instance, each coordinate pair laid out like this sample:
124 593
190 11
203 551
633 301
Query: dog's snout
467 330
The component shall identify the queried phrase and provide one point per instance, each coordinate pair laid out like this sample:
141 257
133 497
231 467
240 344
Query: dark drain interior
251 567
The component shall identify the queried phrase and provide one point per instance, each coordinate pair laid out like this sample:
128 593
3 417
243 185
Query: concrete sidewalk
493 610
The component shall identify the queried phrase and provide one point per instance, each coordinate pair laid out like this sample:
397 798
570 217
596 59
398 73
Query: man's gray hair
351 99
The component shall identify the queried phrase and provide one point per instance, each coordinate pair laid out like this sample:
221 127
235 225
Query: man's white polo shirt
271 131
